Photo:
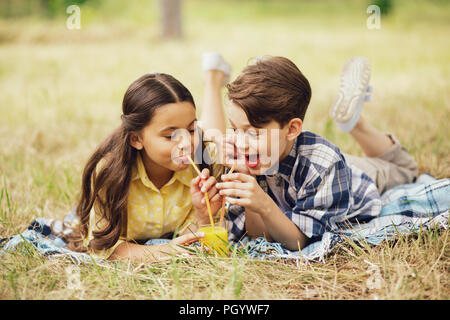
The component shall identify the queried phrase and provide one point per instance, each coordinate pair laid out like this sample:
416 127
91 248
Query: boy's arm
271 220
281 228
325 196
255 227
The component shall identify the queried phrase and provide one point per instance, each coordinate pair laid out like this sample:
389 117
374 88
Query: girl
139 183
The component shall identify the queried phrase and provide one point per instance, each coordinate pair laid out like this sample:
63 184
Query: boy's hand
228 155
251 195
199 186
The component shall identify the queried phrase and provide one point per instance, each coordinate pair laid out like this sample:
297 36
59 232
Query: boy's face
258 149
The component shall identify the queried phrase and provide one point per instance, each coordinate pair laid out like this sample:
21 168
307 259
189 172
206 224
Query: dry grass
61 94
409 268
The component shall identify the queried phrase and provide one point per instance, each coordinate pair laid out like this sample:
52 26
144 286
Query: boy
307 186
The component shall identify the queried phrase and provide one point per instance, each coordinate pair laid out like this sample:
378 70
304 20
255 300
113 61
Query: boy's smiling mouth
252 160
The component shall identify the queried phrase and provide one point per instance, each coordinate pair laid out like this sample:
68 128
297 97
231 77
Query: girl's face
169 137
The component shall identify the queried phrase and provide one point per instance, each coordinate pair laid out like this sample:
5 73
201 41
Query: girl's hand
153 253
173 247
199 186
251 195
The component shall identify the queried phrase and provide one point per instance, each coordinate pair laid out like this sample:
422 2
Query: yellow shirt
152 213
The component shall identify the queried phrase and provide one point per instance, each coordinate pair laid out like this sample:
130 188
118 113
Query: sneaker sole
355 77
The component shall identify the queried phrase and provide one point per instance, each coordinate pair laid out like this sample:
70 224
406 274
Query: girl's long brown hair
106 186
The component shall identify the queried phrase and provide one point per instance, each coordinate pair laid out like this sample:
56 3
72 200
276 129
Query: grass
61 93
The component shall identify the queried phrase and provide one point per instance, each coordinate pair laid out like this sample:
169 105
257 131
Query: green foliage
44 8
385 6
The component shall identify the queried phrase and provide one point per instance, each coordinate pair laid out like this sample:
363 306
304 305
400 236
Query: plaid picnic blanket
406 209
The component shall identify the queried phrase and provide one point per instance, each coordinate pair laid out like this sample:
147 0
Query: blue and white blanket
406 209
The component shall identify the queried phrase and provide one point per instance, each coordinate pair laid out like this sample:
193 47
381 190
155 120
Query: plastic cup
216 239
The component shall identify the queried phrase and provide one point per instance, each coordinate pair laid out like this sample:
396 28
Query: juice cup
216 239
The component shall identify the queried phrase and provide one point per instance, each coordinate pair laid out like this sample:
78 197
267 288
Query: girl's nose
185 142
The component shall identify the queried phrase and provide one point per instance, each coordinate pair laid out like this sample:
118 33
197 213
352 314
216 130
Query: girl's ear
295 127
136 141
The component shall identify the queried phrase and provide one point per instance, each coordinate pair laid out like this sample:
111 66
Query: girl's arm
153 253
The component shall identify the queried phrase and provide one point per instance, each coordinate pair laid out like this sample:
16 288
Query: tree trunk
170 18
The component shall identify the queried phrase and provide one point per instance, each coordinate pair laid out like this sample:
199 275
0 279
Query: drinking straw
206 193
222 212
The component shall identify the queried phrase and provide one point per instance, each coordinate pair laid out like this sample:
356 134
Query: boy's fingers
234 192
232 185
237 176
240 202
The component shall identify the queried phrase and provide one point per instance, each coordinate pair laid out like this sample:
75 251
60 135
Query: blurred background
63 73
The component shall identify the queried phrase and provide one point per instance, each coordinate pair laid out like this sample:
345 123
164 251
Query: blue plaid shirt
316 188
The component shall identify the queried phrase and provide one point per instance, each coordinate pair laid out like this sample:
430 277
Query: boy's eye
251 133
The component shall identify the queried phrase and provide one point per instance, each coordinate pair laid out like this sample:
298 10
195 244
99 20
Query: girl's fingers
195 181
205 174
206 185
195 184
188 238
211 193
217 197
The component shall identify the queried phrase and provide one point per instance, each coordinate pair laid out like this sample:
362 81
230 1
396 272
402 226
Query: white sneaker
354 90
214 61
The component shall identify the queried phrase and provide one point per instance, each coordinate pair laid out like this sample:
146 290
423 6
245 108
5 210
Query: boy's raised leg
373 142
346 111
216 73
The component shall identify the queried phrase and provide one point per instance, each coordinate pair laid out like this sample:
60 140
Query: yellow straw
206 193
222 213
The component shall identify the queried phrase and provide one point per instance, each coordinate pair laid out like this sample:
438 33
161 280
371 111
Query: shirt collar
138 172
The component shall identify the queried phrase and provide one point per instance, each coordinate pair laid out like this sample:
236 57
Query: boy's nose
241 142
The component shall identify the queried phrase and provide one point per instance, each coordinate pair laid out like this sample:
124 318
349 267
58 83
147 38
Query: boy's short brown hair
272 88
